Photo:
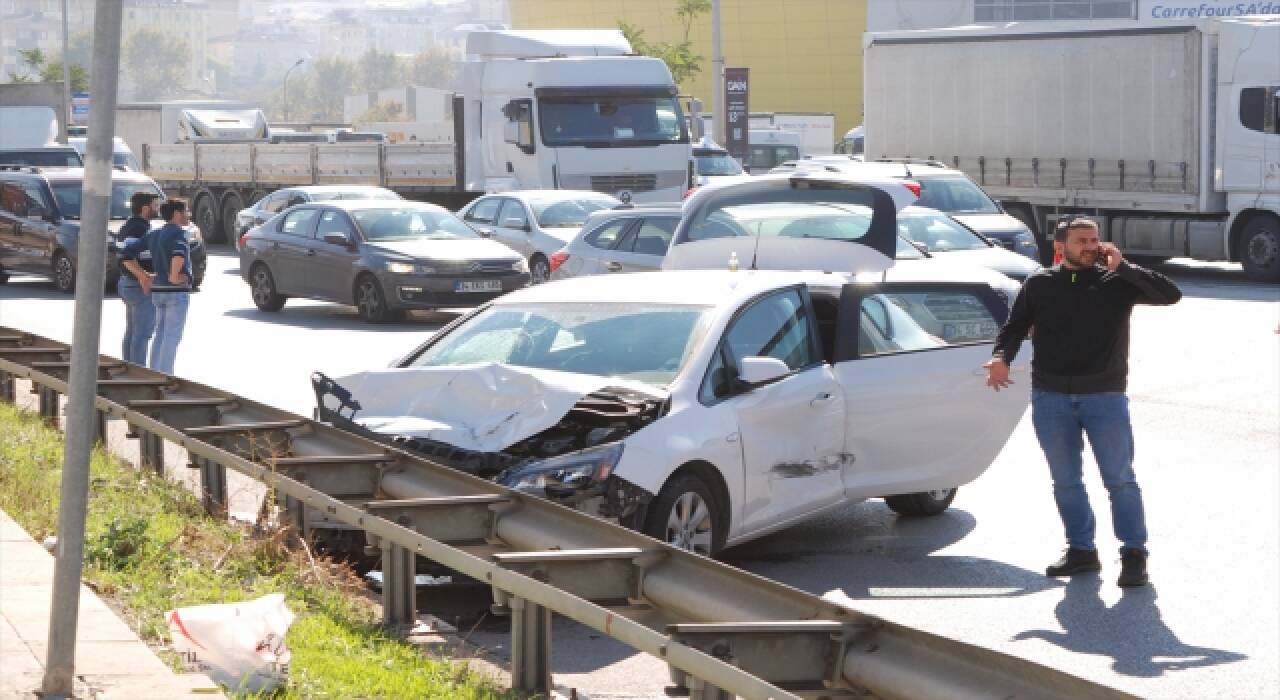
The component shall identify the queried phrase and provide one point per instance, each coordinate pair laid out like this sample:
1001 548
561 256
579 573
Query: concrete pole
59 675
717 79
66 75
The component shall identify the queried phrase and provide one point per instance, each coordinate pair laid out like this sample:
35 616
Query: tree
49 71
379 70
158 63
324 85
382 112
433 68
679 56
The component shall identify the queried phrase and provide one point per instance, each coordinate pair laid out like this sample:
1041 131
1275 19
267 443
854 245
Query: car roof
77 175
885 168
678 287
349 204
551 195
54 148
316 189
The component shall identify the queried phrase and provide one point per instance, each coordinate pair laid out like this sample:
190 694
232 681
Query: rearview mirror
337 238
758 370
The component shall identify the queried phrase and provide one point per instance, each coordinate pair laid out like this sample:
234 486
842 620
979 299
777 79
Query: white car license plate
478 286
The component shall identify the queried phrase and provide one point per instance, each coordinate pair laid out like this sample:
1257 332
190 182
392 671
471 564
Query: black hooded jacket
1081 322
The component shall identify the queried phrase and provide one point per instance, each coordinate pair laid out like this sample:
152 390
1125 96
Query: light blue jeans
171 318
1059 420
139 319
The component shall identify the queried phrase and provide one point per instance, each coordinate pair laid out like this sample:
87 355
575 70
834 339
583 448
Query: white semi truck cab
572 109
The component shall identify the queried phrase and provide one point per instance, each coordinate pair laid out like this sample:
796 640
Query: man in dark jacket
1079 372
134 286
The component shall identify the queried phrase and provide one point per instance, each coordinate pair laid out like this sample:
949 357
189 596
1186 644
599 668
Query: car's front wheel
685 514
371 301
64 273
923 504
263 287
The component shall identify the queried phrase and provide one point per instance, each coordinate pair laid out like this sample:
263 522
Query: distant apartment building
187 20
37 24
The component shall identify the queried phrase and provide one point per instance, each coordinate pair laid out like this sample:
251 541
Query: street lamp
286 87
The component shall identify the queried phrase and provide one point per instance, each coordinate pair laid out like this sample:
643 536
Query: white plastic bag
240 645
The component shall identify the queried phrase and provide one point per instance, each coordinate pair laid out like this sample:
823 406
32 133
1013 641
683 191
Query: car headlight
576 472
520 265
401 268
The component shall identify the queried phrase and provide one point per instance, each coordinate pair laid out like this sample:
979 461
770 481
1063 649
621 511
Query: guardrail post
100 427
399 606
701 690
530 647
151 451
213 484
48 404
7 388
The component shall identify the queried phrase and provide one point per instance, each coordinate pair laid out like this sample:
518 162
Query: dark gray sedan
384 257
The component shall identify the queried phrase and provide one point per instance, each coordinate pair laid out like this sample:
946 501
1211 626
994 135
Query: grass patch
149 547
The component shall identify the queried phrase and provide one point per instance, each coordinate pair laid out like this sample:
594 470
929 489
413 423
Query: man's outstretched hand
998 374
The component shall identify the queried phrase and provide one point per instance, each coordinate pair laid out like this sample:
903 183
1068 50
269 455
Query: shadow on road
35 288
1132 632
884 557
1217 281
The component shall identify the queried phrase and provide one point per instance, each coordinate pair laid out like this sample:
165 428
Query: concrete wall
36 95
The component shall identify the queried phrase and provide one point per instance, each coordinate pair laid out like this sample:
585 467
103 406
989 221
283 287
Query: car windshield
69 193
938 232
955 195
642 342
410 223
569 212
604 121
831 214
714 164
42 158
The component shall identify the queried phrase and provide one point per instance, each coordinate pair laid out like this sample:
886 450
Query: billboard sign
736 113
1205 9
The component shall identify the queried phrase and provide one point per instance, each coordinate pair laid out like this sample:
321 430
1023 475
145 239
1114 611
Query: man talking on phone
1080 310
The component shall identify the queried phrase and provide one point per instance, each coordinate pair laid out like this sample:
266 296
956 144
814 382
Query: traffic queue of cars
777 366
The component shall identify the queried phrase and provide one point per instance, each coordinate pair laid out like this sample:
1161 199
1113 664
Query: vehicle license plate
478 286
968 331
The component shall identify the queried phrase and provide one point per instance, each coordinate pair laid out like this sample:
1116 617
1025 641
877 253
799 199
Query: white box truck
1169 135
571 109
817 129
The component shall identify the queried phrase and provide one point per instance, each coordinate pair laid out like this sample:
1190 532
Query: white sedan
534 223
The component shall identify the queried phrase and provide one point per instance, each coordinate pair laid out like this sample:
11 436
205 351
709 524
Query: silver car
943 236
278 201
618 240
384 257
534 223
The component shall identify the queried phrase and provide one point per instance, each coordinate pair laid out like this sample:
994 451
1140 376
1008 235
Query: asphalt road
1205 390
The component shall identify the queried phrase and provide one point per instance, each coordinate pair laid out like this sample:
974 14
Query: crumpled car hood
482 407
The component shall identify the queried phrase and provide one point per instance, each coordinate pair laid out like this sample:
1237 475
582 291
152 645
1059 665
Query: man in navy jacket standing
134 286
171 288
1080 312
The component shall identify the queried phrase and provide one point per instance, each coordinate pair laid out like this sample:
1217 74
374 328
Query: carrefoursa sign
1205 9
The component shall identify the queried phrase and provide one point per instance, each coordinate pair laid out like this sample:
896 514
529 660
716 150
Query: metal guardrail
725 631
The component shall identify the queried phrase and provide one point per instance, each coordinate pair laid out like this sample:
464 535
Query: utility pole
59 674
717 80
66 75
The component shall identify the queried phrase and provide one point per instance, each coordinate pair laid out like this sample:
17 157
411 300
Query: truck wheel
231 205
263 287
206 216
64 273
923 504
1260 249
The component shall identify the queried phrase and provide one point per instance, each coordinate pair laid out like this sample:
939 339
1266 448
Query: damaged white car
708 407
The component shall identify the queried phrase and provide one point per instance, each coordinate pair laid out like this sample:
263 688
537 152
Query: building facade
894 15
804 55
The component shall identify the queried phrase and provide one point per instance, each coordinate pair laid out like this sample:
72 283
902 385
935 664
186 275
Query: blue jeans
171 318
139 319
1059 420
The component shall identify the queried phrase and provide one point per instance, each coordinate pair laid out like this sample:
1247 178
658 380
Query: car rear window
955 195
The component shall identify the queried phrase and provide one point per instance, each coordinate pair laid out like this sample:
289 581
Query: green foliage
679 56
150 548
433 68
48 71
157 62
382 112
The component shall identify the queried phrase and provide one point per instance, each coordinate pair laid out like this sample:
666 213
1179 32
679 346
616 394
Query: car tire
1260 249
921 505
64 273
4 276
371 301
539 269
685 514
263 288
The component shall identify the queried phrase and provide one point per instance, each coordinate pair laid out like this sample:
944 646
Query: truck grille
617 183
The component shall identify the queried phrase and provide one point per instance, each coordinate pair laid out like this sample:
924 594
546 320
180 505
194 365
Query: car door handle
821 398
613 267
732 437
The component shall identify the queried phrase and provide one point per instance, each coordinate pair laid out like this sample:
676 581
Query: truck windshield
68 195
955 195
611 121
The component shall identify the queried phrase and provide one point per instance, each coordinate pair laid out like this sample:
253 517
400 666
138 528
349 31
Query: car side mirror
511 132
519 224
755 371
337 238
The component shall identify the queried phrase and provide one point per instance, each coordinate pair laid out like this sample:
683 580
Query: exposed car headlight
520 265
576 472
401 268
